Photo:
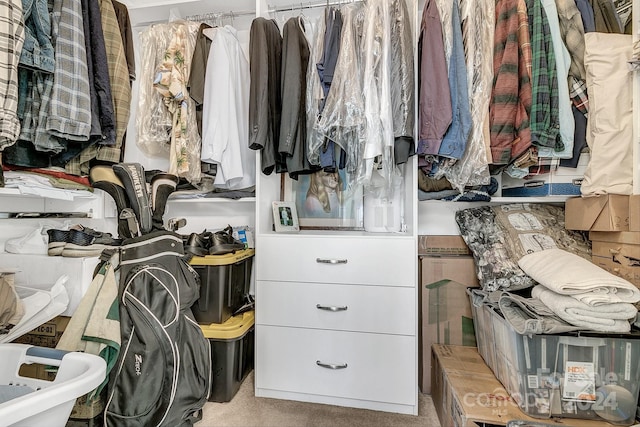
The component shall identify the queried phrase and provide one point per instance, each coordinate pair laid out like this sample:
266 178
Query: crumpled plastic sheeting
315 94
478 23
379 139
342 118
164 120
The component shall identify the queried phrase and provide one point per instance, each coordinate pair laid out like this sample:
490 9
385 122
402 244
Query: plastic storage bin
585 375
231 354
224 281
30 402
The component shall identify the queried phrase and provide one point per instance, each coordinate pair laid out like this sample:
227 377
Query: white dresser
336 320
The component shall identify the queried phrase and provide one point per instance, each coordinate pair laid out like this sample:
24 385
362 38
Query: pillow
498 236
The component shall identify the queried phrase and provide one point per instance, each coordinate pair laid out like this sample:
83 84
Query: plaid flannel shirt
545 115
11 42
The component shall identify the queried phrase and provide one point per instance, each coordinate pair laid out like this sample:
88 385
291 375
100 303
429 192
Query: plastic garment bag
314 95
379 139
478 23
342 118
166 119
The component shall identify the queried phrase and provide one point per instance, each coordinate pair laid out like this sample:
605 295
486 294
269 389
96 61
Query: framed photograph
325 201
285 217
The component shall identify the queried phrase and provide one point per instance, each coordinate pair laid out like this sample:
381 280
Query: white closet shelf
12 200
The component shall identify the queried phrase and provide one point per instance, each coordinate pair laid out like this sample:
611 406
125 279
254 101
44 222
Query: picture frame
325 201
285 217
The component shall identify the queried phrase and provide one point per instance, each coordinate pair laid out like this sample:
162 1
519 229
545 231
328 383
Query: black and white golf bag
162 376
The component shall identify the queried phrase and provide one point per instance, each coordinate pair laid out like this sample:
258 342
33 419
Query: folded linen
569 274
602 318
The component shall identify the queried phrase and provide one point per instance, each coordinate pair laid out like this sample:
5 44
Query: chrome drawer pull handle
331 261
331 308
330 365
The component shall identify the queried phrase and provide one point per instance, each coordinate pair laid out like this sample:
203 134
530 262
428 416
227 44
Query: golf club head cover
135 186
162 185
103 178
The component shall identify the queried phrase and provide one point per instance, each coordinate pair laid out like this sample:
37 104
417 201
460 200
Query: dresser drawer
362 308
340 364
325 259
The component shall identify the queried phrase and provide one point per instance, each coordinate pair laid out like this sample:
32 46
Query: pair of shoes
79 242
223 242
197 243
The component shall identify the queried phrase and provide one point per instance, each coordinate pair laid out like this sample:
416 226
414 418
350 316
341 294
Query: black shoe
198 243
223 242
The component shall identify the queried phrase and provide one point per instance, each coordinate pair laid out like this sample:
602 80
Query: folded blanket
569 274
602 318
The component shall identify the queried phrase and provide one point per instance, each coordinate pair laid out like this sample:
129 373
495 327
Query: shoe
32 243
198 244
57 240
88 242
223 242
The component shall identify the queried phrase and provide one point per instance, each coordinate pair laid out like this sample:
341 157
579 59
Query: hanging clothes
12 35
265 105
326 71
544 119
434 95
172 75
124 23
587 15
564 149
293 125
225 112
402 82
455 140
478 26
379 140
198 72
118 75
511 95
342 119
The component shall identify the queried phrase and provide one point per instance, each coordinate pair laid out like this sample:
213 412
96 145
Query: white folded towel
569 274
602 318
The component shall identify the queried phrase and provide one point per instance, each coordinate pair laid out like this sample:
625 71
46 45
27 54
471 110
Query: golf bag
162 376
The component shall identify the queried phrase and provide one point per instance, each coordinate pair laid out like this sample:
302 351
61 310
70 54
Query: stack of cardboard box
613 222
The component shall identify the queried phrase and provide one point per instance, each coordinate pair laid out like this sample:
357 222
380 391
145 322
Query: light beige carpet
246 410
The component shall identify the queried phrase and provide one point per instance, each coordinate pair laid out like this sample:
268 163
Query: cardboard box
634 212
46 335
618 253
442 246
446 269
466 393
562 181
602 213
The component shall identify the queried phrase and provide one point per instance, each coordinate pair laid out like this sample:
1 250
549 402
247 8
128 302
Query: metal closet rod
232 14
302 5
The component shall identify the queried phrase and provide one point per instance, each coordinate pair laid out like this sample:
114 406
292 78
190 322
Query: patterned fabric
511 94
572 32
544 119
171 81
578 94
11 41
122 14
498 236
120 95
69 111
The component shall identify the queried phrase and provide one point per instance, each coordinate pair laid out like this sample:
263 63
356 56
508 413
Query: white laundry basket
30 402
